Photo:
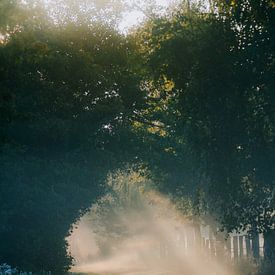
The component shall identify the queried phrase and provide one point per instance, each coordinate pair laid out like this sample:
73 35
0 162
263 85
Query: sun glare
133 11
136 15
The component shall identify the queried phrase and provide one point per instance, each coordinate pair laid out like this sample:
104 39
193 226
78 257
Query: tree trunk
228 246
256 246
197 234
220 246
248 246
235 248
269 246
241 246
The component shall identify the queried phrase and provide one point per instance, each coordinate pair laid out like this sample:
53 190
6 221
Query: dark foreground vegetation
189 96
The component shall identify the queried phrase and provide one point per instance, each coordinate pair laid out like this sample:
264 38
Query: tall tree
66 92
220 108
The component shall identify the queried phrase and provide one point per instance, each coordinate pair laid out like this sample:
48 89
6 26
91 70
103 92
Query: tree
66 93
219 107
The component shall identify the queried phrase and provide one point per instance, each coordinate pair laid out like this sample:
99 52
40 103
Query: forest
184 100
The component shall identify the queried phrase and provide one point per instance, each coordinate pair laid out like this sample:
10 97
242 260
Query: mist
145 234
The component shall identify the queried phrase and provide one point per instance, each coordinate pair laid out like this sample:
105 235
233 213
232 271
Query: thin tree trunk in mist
184 241
241 246
269 246
197 232
212 241
207 245
248 246
220 246
212 247
256 246
228 246
190 237
203 243
219 249
235 248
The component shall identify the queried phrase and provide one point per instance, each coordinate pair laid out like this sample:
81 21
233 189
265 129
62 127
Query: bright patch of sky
136 16
135 10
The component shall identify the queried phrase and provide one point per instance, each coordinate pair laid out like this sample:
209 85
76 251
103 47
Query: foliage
219 108
66 92
116 215
189 95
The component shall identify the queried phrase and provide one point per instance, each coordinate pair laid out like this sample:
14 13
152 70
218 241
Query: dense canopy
187 95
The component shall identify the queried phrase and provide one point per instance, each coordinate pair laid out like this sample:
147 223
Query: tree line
189 95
